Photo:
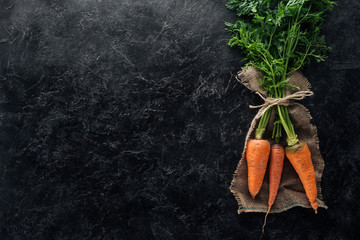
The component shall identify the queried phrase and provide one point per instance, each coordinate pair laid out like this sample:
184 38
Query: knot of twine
285 101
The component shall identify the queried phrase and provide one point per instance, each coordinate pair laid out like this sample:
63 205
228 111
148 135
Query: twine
270 102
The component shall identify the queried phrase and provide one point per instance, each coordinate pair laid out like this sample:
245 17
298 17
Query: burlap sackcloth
291 192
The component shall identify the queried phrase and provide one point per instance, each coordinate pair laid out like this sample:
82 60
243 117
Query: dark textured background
123 120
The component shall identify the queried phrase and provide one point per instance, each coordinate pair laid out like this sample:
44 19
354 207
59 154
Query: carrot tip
315 206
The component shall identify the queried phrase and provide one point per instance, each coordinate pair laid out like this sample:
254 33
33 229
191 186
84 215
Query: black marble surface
123 120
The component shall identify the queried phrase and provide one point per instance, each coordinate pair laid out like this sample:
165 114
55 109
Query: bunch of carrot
259 151
278 38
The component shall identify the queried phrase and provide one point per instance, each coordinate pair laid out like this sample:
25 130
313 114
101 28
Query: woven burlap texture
291 192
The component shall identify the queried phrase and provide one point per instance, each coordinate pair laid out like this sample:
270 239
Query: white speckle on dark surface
123 120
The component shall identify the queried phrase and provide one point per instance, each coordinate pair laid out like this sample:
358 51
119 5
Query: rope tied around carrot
270 102
285 101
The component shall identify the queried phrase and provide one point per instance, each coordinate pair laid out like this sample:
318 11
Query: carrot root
276 163
300 157
263 227
275 170
257 155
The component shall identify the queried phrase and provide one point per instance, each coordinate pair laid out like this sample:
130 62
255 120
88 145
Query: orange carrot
275 169
300 157
276 163
257 155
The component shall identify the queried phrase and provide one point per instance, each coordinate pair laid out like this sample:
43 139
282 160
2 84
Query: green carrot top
279 37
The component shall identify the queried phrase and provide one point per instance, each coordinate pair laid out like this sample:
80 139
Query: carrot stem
287 124
262 124
264 120
276 134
